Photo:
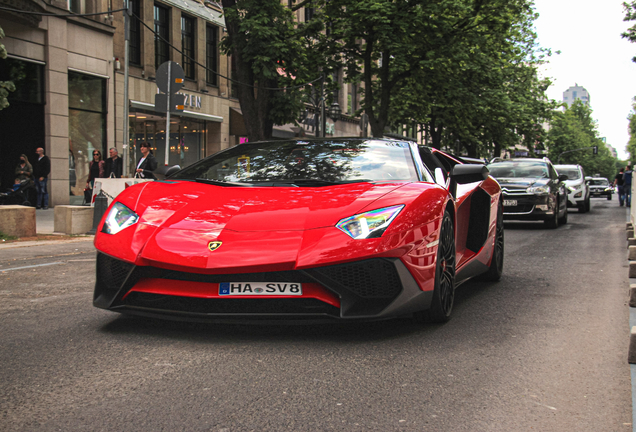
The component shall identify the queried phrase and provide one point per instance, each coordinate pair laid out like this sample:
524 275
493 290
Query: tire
564 219
444 292
588 205
26 203
553 222
609 197
496 263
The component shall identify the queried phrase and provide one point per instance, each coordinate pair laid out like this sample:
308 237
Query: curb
18 244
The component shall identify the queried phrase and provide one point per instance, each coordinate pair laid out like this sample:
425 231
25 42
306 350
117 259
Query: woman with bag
95 170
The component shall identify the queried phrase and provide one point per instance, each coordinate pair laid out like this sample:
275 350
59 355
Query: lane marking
31 266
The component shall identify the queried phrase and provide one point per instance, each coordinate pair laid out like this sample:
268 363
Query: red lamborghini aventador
320 229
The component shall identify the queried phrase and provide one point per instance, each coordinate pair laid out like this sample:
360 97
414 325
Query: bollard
632 295
631 255
629 226
631 355
631 242
630 233
101 204
632 269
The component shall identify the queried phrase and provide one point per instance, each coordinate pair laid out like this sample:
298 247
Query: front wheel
553 222
609 197
496 263
564 219
444 291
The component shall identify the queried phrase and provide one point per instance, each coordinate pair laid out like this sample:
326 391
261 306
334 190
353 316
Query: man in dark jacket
41 171
114 164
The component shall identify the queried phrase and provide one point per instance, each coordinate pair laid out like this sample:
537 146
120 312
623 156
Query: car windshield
599 182
572 173
515 169
307 162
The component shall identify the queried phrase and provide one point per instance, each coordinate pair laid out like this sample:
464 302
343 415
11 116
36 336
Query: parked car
600 186
338 229
578 189
532 190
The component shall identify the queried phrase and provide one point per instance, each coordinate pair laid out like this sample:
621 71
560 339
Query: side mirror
469 173
563 177
173 169
439 177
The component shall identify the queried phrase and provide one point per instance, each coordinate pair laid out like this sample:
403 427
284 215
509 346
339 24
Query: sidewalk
44 221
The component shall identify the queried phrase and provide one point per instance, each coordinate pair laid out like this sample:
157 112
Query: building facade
574 93
62 69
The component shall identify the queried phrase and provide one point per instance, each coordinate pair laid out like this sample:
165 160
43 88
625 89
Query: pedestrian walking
618 183
95 169
41 171
114 164
627 185
147 164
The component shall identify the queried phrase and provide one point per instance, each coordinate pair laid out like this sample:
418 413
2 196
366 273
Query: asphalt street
545 349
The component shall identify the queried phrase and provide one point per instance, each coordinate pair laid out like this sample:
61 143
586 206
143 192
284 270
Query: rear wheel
444 292
588 206
496 264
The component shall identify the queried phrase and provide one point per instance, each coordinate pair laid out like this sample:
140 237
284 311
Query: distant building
574 93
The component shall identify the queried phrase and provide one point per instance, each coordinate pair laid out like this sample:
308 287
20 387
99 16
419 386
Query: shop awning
184 113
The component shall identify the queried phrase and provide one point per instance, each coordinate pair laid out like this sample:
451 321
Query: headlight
118 218
571 189
538 190
371 224
608 189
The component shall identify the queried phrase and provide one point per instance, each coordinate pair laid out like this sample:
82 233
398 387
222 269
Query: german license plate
260 288
510 203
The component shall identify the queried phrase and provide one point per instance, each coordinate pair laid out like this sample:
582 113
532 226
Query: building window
187 45
211 54
87 125
162 35
309 14
75 6
134 44
352 99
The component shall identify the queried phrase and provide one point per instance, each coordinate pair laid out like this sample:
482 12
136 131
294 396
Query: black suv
532 190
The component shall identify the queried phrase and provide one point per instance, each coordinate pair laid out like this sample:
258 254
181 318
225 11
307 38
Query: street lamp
334 112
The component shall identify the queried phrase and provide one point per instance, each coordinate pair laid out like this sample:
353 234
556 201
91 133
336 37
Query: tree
5 86
574 129
465 70
630 15
269 52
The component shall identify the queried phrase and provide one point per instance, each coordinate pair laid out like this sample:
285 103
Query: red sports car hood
196 206
287 227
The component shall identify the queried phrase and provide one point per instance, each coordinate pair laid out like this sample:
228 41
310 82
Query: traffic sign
176 74
177 102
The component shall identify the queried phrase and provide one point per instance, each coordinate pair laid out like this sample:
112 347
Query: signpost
170 78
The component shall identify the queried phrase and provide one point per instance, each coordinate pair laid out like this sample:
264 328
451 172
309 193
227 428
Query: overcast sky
594 56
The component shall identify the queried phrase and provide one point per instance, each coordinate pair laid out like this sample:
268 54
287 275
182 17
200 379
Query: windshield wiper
308 181
221 183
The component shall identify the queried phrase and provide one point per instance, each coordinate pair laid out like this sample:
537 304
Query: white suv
578 189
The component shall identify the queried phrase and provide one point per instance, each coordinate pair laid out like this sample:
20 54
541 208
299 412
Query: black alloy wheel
444 292
496 263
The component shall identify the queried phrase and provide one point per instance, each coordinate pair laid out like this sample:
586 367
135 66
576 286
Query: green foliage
465 70
270 51
5 86
574 129
630 15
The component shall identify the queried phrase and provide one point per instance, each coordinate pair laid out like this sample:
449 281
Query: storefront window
187 138
87 131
